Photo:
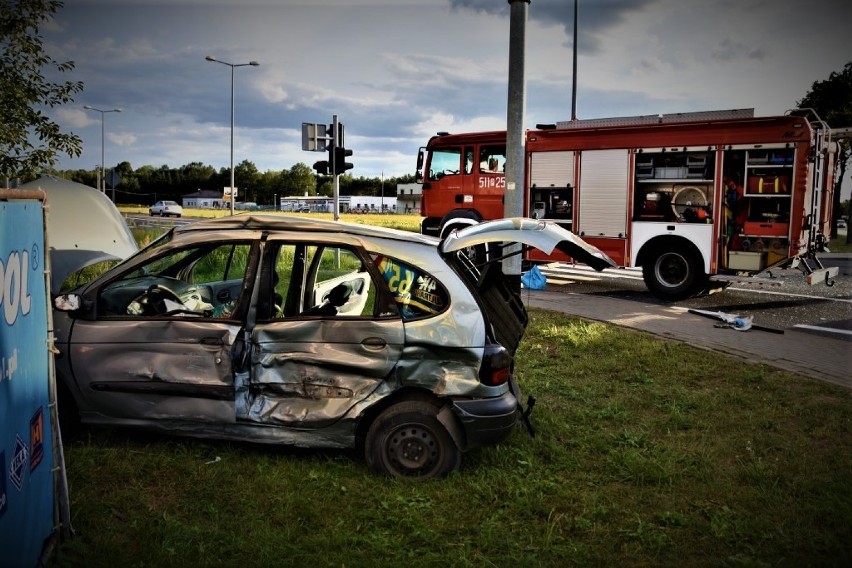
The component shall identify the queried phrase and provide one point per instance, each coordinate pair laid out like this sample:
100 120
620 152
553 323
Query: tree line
148 184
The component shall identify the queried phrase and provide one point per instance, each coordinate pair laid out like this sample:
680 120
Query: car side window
416 292
200 281
319 281
337 284
492 159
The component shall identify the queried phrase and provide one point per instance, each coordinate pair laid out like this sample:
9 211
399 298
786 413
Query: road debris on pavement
734 321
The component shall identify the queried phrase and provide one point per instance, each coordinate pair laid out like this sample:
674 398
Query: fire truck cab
687 197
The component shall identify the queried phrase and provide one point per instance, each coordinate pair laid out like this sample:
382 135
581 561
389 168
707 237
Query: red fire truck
688 197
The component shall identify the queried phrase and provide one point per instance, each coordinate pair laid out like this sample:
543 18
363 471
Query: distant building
408 197
372 204
205 199
347 204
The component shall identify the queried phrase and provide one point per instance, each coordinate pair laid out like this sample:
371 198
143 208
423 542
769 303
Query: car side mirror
67 303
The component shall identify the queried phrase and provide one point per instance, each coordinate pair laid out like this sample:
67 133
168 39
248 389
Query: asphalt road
783 301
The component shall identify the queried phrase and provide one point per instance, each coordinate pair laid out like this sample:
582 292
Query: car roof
290 223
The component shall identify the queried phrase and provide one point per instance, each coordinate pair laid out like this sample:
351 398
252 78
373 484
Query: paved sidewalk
815 356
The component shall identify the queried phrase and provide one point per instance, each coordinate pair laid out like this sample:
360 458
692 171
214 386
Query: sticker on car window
416 292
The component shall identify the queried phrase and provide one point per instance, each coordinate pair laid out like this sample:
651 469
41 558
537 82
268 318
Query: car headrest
339 295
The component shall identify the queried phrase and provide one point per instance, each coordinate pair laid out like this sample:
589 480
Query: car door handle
374 343
217 341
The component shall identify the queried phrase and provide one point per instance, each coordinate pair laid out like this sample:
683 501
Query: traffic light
340 155
322 167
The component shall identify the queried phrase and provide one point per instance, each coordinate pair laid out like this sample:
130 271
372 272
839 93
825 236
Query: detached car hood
541 234
83 227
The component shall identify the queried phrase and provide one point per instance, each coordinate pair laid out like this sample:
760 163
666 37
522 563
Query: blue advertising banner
26 453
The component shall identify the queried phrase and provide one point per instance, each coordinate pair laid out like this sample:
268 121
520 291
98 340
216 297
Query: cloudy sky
397 71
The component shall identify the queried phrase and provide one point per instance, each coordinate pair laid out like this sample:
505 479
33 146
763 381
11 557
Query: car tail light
496 365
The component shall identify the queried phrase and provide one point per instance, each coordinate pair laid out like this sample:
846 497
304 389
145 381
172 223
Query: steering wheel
154 300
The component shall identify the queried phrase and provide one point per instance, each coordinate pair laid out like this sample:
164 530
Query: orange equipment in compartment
758 184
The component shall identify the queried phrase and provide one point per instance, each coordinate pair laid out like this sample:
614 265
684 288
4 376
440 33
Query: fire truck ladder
808 262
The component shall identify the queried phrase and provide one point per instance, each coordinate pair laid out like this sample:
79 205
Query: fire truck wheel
673 274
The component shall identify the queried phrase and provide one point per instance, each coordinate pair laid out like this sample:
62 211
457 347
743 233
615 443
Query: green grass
408 222
839 244
647 453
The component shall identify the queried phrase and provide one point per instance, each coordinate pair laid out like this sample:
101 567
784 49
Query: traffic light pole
315 138
335 133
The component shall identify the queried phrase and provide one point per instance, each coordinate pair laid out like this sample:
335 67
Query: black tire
674 273
407 440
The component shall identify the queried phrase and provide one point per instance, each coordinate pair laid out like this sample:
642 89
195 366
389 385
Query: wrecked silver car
307 332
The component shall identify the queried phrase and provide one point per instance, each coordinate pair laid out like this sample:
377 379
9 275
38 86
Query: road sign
315 137
112 179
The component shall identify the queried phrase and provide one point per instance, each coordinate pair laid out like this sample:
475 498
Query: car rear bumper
486 421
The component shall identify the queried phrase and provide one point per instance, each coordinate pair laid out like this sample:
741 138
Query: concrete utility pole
515 135
574 70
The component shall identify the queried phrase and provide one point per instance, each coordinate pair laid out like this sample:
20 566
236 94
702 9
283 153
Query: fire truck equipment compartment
738 260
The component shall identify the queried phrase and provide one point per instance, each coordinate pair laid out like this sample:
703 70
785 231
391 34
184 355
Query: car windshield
163 239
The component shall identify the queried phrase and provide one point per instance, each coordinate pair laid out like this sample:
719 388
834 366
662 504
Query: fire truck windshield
444 162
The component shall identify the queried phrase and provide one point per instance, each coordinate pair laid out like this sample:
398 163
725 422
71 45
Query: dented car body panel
304 332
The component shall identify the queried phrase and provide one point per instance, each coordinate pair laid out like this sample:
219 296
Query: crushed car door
326 339
162 342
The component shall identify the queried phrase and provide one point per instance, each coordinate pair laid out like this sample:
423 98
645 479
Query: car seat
277 299
335 298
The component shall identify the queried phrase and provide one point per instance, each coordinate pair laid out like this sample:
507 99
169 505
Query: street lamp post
103 173
232 66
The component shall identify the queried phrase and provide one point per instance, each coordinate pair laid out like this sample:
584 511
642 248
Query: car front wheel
407 440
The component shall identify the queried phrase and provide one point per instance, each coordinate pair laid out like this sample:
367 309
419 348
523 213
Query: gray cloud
397 71
593 17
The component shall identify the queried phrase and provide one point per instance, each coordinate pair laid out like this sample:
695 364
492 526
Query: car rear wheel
407 440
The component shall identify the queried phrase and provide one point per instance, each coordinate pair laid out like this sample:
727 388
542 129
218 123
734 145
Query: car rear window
416 292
